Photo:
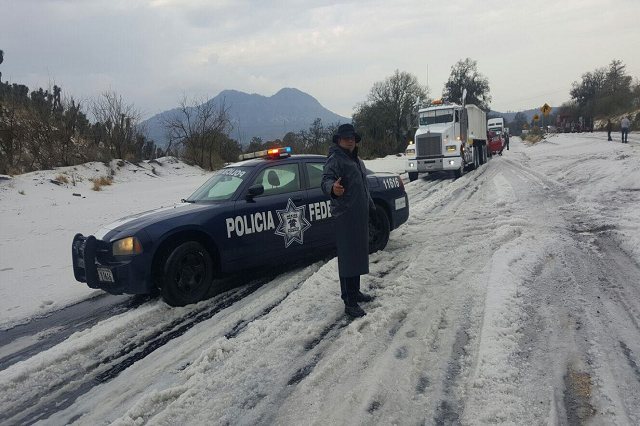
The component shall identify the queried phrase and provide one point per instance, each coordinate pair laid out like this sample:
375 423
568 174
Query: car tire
187 274
413 176
379 229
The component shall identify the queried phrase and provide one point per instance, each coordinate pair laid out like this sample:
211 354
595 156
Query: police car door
275 223
318 205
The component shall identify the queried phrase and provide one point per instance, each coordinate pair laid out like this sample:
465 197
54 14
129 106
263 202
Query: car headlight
127 247
410 152
451 147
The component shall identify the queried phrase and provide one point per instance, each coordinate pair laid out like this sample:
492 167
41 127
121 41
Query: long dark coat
350 211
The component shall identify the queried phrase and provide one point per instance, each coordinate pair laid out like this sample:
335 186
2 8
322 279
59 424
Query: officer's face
348 142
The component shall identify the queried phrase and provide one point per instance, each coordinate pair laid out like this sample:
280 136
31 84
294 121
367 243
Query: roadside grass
531 138
101 181
62 178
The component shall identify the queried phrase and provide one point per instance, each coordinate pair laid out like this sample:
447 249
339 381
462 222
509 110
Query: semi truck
495 138
449 137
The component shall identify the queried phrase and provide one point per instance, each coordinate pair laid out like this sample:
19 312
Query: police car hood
137 221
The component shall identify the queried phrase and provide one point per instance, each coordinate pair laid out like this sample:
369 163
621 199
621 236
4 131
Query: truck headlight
127 247
410 152
451 147
411 165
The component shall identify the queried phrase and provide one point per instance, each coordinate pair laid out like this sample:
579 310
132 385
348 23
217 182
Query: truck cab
445 140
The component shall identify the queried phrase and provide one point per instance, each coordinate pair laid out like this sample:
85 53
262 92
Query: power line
530 97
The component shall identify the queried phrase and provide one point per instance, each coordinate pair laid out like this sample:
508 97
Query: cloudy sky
153 51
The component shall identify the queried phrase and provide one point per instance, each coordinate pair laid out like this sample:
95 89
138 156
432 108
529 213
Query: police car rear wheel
187 274
379 229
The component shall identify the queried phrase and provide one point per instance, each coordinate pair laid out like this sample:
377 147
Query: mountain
269 118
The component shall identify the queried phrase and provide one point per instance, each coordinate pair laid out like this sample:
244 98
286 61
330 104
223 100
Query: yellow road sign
546 109
536 117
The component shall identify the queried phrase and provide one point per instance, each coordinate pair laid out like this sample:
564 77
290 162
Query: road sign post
546 109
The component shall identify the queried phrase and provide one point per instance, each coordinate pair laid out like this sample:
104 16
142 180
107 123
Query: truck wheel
413 176
474 161
483 155
379 229
187 274
460 172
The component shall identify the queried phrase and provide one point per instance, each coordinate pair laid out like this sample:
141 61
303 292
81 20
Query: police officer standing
344 181
506 143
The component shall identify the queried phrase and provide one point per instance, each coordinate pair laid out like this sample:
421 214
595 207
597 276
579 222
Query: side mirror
254 191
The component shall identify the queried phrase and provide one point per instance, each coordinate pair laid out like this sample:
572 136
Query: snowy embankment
39 219
502 300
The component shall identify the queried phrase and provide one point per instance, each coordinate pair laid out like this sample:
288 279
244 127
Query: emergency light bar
273 153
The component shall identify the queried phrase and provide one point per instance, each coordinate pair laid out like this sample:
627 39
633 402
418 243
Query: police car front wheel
187 274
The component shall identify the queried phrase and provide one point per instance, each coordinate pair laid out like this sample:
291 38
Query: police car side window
279 179
314 170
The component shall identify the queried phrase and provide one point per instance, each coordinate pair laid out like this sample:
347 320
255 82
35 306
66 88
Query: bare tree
120 121
199 129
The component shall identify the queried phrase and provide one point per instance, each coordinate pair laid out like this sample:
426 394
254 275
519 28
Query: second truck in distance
449 137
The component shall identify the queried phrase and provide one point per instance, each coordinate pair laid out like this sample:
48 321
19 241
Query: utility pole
427 75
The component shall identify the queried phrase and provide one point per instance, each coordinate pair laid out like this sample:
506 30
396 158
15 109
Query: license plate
401 203
105 275
81 262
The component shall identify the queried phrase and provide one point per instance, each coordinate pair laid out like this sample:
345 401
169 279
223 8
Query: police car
263 209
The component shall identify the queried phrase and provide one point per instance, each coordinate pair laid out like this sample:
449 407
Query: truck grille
428 146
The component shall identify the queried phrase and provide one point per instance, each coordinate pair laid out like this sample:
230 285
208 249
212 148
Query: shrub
532 137
98 183
21 192
62 178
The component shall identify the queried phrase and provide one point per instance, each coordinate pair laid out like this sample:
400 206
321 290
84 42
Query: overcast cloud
152 51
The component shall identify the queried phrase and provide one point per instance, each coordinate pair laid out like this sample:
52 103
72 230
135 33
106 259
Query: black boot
363 298
354 311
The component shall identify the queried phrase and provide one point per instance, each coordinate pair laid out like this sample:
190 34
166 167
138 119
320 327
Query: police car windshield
222 185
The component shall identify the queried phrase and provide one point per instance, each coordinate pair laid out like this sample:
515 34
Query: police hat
346 130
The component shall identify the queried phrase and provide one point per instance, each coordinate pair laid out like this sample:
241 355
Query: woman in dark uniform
344 180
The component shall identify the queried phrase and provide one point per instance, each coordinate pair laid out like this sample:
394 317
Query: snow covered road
511 296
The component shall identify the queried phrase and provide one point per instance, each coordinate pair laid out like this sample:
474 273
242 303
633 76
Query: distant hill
509 116
269 118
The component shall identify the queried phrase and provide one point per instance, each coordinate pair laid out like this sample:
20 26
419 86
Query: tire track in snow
591 289
41 333
64 394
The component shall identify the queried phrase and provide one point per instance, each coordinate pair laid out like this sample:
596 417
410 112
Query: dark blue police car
264 209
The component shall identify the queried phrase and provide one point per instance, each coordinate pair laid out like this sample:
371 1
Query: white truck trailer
497 126
449 137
